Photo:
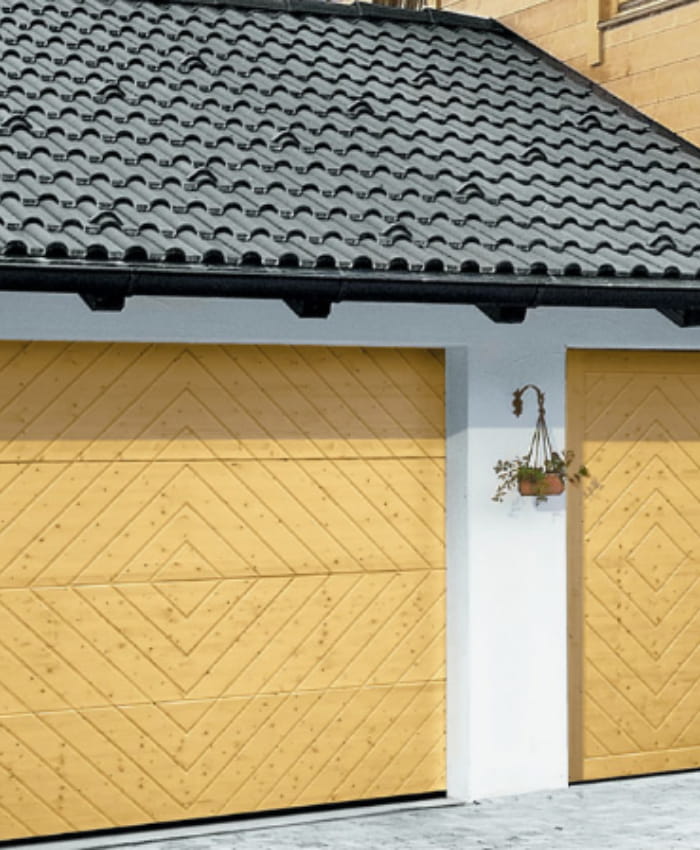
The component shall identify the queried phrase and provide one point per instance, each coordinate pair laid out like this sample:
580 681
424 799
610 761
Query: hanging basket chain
540 452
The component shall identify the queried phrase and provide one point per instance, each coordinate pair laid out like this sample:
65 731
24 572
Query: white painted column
513 584
457 537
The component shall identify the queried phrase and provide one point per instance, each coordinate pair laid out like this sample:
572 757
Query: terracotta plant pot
551 485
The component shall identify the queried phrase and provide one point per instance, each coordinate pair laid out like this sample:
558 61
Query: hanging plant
542 472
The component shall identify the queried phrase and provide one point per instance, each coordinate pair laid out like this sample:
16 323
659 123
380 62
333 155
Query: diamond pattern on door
634 418
222 583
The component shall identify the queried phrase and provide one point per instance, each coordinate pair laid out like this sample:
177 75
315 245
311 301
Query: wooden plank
414 726
392 417
297 504
692 134
340 666
272 780
404 504
387 711
424 774
78 792
544 18
567 43
493 8
681 113
659 85
26 786
638 764
368 664
420 380
368 521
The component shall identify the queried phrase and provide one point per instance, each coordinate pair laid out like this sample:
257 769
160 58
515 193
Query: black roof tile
302 135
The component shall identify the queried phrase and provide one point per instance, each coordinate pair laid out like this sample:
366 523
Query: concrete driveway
652 813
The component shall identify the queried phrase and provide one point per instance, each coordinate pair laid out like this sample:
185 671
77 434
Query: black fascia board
113 280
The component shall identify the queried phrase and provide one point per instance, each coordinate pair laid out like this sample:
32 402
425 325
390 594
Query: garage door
635 591
221 581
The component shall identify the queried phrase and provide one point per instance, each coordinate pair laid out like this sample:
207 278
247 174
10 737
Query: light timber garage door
634 417
221 581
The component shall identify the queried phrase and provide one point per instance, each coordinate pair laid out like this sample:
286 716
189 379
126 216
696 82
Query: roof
267 140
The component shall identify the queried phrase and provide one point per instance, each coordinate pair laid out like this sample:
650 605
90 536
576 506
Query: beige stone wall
652 61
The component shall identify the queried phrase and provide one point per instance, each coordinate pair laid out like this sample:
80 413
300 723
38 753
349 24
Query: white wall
507 680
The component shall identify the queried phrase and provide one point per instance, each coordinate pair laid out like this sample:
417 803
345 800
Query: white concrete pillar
509 594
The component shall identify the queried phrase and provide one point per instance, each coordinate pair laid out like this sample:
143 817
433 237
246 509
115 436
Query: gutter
504 297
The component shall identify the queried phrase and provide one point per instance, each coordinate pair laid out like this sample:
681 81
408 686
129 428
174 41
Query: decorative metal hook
518 399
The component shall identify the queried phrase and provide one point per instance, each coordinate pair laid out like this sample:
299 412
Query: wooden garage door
221 581
635 590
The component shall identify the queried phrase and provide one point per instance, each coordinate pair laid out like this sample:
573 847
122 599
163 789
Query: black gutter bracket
504 314
108 295
310 307
688 317
102 302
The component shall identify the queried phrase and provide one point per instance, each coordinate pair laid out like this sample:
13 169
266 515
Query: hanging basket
541 486
542 473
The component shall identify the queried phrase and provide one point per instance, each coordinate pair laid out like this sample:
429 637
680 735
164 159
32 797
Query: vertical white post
516 581
458 677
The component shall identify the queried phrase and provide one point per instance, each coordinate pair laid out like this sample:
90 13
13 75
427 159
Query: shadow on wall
131 401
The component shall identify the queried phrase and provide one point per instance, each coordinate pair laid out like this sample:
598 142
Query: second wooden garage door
634 418
222 581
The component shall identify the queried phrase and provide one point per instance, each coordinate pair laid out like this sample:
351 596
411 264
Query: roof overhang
504 297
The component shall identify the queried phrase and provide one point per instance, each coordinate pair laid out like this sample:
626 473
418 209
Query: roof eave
107 285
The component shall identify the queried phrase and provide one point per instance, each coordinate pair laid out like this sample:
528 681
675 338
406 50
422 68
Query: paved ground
658 813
